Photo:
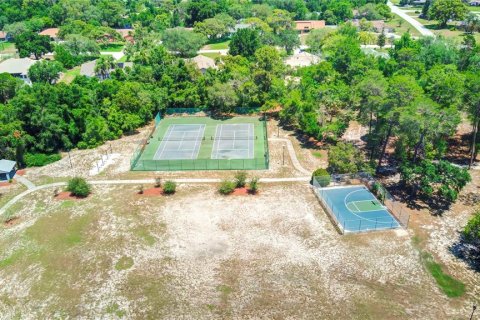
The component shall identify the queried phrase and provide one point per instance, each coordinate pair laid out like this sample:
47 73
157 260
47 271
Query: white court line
196 142
363 218
251 143
169 131
181 141
358 210
217 142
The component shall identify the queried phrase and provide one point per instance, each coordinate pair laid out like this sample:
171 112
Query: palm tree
103 66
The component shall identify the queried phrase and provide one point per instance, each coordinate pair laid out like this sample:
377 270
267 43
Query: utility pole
283 156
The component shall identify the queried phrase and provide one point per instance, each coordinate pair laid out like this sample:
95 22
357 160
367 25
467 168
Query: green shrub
472 229
78 187
40 159
169 187
322 175
240 179
226 187
253 187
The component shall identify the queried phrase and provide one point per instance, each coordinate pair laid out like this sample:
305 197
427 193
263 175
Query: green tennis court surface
203 143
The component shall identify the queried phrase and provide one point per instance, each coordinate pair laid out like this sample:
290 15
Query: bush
78 187
323 177
140 189
226 187
169 187
253 185
472 229
40 159
240 179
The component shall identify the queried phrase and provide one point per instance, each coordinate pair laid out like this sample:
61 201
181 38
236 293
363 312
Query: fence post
360 225
376 222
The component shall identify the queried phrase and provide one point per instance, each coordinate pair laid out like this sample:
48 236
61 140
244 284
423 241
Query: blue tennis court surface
356 209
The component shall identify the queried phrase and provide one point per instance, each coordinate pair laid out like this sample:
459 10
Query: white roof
6 166
302 59
17 66
88 68
204 62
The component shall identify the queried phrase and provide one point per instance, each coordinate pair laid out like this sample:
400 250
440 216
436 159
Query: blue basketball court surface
356 209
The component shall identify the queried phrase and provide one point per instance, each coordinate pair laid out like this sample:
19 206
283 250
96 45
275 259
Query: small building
51 32
18 68
7 169
302 59
474 3
305 26
3 36
203 63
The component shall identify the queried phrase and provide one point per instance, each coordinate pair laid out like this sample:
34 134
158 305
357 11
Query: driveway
417 25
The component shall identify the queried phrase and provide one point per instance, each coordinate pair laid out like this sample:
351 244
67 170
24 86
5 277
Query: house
302 59
51 32
127 34
475 3
18 68
305 26
3 36
203 63
377 25
7 169
88 68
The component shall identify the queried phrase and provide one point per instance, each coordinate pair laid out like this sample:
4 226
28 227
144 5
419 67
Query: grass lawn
70 75
400 26
449 285
212 55
217 45
7 47
112 47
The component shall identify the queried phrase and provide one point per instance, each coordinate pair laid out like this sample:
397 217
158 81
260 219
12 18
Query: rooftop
204 62
51 32
17 66
302 59
6 165
309 24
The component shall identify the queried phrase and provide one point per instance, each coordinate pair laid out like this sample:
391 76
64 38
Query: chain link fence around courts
193 111
361 178
258 163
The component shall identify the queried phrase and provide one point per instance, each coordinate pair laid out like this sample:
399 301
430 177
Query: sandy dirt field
200 255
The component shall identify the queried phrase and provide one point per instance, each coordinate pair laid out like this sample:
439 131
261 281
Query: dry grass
199 255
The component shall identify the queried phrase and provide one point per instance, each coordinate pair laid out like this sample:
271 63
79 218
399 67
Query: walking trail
33 188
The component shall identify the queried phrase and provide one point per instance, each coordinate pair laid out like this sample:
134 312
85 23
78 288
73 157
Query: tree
30 43
444 10
244 42
382 39
104 65
445 85
316 38
212 28
79 187
45 71
222 97
471 100
471 232
8 87
183 42
438 182
344 158
288 39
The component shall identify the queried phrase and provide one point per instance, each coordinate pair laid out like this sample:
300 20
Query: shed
7 169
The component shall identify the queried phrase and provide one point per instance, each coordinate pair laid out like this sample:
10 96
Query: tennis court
234 141
356 209
180 143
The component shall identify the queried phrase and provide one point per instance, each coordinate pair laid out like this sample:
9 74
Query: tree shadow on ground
466 251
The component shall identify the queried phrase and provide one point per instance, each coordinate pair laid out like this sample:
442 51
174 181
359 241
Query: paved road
417 25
